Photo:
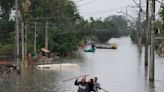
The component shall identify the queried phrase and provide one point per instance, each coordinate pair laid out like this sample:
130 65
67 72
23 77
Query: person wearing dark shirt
91 86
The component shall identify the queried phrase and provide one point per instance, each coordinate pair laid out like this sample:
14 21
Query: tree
121 23
6 27
6 6
62 17
103 30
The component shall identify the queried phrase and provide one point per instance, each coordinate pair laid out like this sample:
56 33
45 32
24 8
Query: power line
105 10
84 14
136 3
99 13
79 1
87 3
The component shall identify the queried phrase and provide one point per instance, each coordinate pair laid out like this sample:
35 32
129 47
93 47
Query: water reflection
120 70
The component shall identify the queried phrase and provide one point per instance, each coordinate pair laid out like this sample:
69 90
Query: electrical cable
104 10
78 1
87 3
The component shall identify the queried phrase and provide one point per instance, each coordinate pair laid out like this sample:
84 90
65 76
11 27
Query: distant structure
12 15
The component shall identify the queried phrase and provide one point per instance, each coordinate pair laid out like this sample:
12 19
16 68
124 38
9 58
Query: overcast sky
104 8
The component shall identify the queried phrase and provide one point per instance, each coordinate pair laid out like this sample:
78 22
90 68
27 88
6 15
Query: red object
5 62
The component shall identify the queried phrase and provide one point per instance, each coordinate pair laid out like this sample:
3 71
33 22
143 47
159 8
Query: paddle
75 78
104 90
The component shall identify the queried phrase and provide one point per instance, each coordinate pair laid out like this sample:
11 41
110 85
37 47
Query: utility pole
23 38
151 65
146 32
139 27
35 39
25 44
17 35
46 36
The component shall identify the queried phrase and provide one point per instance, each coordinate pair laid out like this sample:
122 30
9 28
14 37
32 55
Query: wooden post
140 29
22 39
17 35
146 32
35 38
46 35
25 44
152 65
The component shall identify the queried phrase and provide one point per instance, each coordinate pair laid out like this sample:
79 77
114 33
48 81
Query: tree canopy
66 28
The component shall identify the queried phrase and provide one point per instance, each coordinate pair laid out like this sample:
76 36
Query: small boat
106 46
89 48
114 46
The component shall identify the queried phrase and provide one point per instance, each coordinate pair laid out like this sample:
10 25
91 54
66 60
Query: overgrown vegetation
66 28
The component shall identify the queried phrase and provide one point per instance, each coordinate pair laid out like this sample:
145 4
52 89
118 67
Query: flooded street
120 70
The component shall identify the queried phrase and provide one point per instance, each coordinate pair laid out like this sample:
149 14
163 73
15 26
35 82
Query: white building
12 15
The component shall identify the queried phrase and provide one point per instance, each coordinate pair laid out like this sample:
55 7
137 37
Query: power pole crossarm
160 38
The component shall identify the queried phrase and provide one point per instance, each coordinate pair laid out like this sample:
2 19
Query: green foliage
7 26
112 26
161 24
66 28
63 33
6 36
6 6
7 49
64 42
120 22
105 33
133 36
162 13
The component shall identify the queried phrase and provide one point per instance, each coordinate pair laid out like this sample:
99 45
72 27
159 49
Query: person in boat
91 86
93 46
82 84
96 85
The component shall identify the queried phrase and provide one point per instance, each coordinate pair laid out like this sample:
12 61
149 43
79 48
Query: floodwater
120 70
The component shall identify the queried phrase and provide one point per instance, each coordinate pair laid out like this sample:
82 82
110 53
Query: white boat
63 66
